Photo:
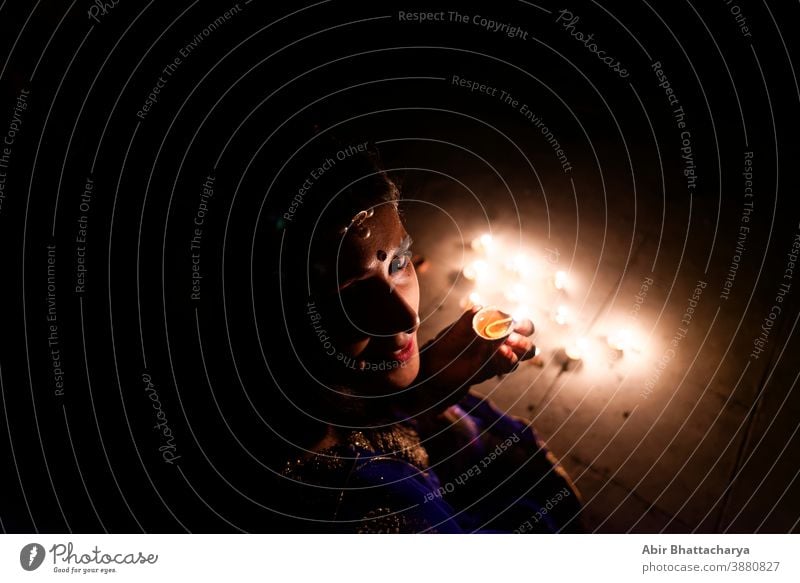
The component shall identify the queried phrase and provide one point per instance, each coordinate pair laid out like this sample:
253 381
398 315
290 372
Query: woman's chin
389 377
403 374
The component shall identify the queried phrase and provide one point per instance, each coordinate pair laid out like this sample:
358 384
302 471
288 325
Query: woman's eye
400 262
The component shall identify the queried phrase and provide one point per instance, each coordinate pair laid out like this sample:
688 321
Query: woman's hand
457 358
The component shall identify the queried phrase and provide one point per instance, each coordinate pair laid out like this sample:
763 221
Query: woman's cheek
411 290
356 348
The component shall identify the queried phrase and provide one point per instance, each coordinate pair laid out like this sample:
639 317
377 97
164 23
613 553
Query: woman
393 439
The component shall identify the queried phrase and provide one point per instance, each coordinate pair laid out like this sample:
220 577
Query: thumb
462 326
464 323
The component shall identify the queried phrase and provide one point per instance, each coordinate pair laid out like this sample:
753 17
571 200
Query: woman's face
375 304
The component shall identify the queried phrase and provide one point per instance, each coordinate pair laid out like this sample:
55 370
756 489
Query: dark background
244 101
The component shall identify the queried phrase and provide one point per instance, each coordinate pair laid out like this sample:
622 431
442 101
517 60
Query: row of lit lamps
620 341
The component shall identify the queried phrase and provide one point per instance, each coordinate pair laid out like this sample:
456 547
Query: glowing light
520 313
517 293
473 299
560 280
483 244
537 358
578 349
621 340
520 264
476 269
561 315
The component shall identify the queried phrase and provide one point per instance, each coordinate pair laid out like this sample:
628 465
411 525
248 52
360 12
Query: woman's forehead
385 232
352 255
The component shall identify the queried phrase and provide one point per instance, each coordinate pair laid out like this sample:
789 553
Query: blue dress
472 469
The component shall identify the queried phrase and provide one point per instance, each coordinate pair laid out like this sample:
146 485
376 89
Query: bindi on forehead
360 254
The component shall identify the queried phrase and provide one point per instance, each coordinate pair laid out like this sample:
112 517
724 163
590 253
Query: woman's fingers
522 346
504 359
524 327
504 356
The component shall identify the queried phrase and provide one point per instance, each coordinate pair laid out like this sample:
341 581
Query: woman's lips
404 353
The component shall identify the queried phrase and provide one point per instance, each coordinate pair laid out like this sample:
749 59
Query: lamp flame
483 244
621 340
578 349
561 315
476 269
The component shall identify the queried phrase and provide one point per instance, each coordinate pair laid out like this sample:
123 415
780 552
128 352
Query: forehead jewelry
357 223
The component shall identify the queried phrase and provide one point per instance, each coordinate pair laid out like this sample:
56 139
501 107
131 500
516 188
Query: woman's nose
383 310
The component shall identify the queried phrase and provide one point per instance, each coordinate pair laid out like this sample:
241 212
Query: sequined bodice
398 441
